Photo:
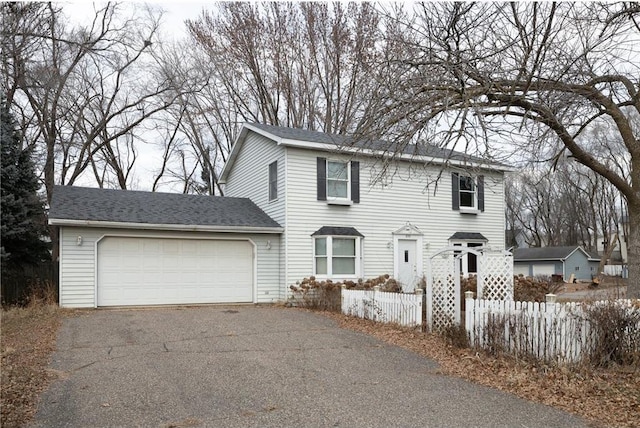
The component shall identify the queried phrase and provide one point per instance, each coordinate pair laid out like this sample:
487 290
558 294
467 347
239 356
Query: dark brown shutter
322 179
355 182
455 191
481 192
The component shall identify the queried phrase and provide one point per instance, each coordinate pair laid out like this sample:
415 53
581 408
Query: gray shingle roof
543 253
126 206
336 230
343 141
468 236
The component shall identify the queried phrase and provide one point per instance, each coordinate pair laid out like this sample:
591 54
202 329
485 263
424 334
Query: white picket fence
398 308
557 332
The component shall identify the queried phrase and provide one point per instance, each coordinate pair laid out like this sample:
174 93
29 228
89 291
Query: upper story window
338 181
467 193
273 181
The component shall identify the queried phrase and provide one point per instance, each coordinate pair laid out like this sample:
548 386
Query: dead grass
607 397
27 340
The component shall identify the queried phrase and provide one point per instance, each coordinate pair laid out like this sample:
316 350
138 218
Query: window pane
321 246
337 170
337 189
344 247
467 199
466 183
344 265
273 181
321 265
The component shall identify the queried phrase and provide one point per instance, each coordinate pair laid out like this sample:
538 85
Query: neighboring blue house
548 261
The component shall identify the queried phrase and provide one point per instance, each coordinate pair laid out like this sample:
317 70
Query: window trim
329 256
473 192
353 182
273 191
347 165
478 193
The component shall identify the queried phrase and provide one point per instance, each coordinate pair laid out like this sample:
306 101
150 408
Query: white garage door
151 271
521 269
544 269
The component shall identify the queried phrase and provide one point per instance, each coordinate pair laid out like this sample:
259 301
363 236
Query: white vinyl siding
78 262
407 196
249 177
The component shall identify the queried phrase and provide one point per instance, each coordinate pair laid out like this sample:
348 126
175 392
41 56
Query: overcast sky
176 12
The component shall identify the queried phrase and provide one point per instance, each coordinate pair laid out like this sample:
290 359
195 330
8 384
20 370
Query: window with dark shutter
273 181
481 192
322 179
338 181
355 182
455 191
467 193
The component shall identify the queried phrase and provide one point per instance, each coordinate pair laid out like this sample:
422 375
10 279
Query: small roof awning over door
467 236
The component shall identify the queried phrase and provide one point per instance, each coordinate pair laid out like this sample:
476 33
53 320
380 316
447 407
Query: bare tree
536 76
83 94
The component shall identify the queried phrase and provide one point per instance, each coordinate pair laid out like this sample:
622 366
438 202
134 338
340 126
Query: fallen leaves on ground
27 342
608 397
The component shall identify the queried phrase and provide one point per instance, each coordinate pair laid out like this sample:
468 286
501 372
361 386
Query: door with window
406 252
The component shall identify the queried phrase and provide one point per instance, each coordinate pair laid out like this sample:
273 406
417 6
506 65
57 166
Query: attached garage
156 271
125 248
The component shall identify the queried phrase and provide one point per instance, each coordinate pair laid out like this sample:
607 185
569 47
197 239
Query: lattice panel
443 291
496 269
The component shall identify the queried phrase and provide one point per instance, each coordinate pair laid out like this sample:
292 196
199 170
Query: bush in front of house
325 295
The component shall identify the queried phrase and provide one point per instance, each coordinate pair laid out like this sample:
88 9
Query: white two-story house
297 204
348 214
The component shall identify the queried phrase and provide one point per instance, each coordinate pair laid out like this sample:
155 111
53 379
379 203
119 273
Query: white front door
406 261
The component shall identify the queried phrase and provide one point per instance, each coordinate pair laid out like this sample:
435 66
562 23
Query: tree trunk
607 253
633 250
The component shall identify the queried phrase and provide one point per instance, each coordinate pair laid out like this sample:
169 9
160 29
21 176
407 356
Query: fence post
342 288
550 298
419 291
469 313
374 306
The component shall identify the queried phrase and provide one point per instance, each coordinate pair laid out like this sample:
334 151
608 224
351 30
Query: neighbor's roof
125 208
547 253
349 144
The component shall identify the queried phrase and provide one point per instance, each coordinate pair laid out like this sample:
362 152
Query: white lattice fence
443 291
496 271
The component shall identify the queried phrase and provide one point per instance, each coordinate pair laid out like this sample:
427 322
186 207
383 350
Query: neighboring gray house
548 261
316 204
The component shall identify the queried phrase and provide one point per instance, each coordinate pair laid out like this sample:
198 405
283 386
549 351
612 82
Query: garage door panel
148 271
544 269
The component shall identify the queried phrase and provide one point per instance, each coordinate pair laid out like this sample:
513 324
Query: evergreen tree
22 220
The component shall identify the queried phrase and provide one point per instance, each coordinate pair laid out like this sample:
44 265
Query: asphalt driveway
239 366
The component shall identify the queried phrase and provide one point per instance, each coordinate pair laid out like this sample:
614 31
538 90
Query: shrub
455 335
325 295
615 333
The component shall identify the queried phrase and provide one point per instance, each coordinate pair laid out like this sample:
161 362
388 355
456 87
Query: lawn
27 340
